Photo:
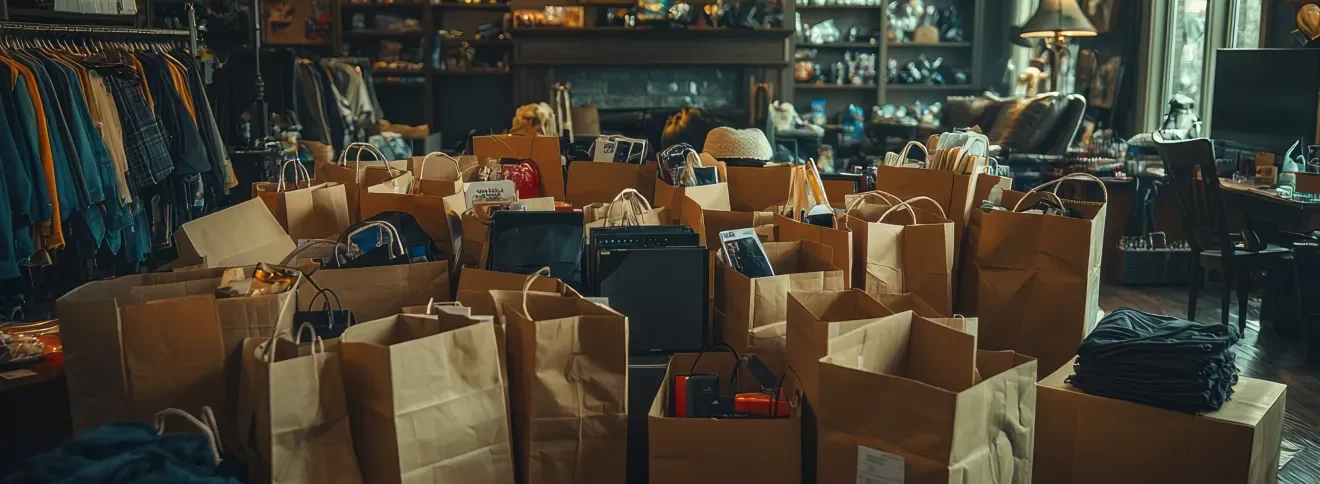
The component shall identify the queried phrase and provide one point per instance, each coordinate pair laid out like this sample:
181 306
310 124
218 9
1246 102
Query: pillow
1034 124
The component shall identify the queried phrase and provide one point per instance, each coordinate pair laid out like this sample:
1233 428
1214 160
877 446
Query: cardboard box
1084 438
720 451
906 399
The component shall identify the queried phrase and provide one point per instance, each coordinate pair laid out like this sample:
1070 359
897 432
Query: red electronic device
761 405
694 395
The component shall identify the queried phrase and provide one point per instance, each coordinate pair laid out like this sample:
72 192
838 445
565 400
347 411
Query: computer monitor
1266 98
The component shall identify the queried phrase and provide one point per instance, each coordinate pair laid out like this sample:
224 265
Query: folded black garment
1158 360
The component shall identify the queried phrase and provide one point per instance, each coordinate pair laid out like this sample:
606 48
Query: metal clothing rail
8 27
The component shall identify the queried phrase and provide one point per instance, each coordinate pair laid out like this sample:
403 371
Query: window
1245 31
1186 69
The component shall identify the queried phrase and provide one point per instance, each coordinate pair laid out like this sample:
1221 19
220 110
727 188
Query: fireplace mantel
616 46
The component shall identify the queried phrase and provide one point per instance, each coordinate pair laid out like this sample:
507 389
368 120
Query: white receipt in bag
878 467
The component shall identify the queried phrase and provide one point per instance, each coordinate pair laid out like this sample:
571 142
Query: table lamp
1056 21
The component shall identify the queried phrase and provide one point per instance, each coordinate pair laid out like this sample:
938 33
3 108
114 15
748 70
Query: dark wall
1283 19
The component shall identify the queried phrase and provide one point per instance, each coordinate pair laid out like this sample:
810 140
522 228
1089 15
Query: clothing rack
90 30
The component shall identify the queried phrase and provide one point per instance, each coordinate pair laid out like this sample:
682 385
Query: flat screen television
1266 98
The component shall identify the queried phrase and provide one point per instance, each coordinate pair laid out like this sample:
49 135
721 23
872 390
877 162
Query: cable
711 347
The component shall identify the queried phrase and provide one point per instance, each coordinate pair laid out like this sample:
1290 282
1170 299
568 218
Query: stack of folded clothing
1158 360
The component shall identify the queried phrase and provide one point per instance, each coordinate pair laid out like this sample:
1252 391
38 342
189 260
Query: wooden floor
1262 355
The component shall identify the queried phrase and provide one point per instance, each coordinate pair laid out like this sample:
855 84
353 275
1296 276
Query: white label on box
16 374
878 467
491 191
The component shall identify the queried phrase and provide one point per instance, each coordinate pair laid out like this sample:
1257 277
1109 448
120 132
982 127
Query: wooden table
1262 203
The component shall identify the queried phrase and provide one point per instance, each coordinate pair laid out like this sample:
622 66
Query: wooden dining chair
1190 169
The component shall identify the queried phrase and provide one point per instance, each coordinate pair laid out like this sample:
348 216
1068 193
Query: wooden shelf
478 42
840 87
71 17
397 72
390 83
839 45
476 73
648 34
473 6
360 6
840 7
933 87
384 34
930 45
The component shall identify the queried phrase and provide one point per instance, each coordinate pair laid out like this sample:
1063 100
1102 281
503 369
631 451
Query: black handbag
328 322
389 238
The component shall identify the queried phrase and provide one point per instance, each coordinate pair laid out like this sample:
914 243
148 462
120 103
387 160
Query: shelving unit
964 55
477 98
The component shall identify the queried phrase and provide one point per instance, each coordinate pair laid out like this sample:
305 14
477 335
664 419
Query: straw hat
725 143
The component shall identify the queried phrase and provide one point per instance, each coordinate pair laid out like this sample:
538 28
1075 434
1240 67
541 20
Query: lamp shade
1058 18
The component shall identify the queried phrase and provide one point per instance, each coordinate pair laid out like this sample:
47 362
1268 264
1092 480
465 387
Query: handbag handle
883 195
206 429
326 306
297 168
691 162
633 197
421 169
1056 183
906 205
394 234
527 286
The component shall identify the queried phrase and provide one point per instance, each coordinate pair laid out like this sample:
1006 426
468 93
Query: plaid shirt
144 142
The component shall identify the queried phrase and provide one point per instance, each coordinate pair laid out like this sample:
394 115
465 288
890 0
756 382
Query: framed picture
1103 14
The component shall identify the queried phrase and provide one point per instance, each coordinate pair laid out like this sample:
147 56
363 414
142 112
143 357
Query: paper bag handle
357 159
298 168
1056 183
633 197
527 286
421 168
394 234
903 155
316 340
206 429
691 161
906 205
305 246
431 304
886 196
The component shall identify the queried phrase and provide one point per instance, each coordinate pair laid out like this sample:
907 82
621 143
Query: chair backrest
1066 127
1190 168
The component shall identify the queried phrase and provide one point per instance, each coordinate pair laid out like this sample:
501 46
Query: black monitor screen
663 293
1266 97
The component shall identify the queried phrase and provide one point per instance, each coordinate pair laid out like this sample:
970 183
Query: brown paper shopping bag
900 401
310 211
568 381
903 247
628 207
436 214
591 182
298 415
714 196
98 316
1038 291
814 317
743 305
426 400
174 356
755 188
437 174
375 292
358 174
708 450
988 188
839 239
211 241
542 150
